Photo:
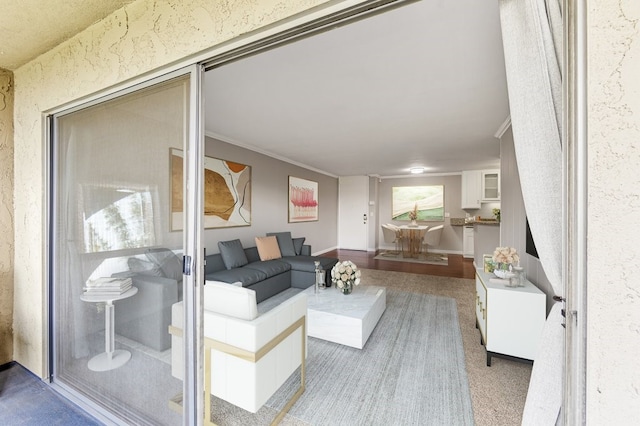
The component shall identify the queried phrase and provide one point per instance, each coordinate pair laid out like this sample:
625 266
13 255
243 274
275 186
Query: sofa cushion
167 261
143 267
270 267
285 242
268 248
297 245
246 276
230 300
232 254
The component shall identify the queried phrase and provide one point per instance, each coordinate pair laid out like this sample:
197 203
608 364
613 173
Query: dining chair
432 237
390 236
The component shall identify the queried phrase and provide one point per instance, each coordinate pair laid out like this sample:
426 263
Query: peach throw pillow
268 248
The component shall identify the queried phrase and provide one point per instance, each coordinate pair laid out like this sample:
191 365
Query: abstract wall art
227 193
303 200
427 200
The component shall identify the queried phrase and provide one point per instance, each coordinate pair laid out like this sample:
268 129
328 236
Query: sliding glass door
122 223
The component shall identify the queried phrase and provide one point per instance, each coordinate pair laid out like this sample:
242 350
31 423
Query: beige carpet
498 392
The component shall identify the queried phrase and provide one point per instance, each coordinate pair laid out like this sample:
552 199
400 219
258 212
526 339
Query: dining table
412 239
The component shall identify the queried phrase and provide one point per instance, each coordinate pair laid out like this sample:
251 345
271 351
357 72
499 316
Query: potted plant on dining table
413 215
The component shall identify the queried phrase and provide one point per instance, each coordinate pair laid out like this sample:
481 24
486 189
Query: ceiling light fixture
416 170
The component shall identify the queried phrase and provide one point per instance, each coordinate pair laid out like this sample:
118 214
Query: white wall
513 217
613 281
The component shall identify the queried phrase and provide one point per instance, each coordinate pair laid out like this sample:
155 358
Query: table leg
109 329
110 358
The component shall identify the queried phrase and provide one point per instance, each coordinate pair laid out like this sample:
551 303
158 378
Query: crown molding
250 147
420 175
503 128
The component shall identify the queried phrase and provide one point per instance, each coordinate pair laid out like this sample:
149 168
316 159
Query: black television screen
531 245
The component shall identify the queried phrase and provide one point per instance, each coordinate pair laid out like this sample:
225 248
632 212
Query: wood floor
458 267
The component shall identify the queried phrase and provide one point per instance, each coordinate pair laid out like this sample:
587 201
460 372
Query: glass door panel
117 240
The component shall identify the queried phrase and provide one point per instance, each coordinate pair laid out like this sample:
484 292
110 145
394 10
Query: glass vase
347 288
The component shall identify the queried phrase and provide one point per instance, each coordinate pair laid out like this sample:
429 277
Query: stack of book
107 286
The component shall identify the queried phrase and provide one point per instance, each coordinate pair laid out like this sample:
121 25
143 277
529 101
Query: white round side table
111 358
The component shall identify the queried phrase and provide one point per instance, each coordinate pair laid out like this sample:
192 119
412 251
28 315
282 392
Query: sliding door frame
193 260
307 24
575 224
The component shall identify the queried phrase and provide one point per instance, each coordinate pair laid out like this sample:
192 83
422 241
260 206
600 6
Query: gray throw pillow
143 267
297 245
167 261
285 242
232 254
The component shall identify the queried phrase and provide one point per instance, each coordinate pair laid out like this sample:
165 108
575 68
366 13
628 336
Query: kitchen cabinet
471 189
490 180
467 241
510 319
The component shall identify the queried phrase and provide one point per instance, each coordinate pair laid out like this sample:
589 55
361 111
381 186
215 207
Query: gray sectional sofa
145 317
295 267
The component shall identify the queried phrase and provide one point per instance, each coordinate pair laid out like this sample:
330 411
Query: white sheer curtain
532 38
72 316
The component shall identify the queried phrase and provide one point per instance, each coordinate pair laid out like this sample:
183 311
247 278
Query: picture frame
487 263
227 192
428 200
303 205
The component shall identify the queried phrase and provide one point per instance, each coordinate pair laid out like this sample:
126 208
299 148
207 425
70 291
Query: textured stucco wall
142 36
613 345
6 216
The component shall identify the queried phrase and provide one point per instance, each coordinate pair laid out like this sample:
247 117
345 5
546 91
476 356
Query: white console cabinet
510 319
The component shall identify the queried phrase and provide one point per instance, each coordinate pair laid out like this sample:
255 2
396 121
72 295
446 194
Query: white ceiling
422 85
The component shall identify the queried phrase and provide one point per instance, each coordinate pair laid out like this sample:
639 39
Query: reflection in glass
117 218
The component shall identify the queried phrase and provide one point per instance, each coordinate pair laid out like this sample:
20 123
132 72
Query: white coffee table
345 319
111 358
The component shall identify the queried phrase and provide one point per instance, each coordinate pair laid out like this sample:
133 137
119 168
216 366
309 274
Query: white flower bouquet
505 255
345 275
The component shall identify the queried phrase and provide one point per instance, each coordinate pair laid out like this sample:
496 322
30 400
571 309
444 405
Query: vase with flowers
496 214
345 275
413 215
505 259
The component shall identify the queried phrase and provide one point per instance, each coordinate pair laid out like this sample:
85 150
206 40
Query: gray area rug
427 259
411 372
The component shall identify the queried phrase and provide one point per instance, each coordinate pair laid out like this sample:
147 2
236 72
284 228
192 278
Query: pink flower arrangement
507 255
